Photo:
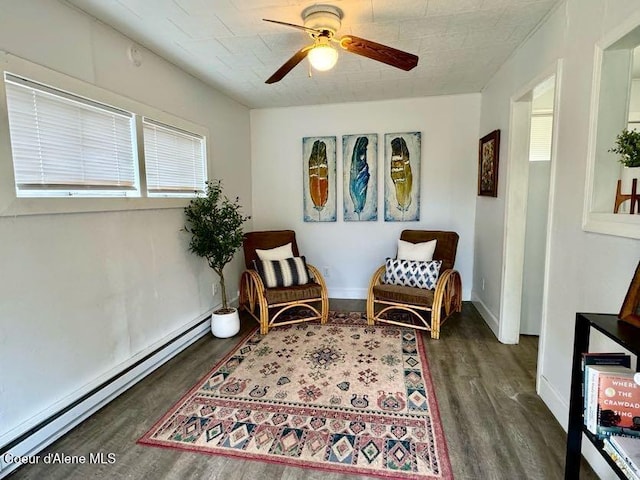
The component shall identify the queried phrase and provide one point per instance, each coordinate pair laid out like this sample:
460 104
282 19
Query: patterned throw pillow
283 273
409 273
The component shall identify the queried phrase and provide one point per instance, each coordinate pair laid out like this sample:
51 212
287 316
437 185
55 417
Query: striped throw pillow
283 273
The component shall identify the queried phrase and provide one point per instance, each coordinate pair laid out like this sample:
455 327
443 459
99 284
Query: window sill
53 206
620 224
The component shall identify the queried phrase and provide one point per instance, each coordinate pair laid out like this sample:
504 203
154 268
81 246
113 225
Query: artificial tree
628 147
215 224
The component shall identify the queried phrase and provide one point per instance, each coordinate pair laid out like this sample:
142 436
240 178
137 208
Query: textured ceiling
461 44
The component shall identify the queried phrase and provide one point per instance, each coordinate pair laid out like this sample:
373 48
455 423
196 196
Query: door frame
516 207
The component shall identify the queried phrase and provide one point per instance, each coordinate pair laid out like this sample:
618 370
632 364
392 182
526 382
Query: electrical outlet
483 284
325 271
213 289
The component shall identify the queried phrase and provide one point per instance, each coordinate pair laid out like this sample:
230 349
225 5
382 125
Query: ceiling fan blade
382 53
288 66
300 27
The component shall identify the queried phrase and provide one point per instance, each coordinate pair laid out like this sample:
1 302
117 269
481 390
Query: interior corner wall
82 294
353 250
588 272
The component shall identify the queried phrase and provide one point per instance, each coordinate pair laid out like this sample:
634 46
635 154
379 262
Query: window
66 145
174 160
75 147
541 133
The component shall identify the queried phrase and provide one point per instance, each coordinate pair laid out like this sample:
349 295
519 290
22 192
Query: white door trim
515 213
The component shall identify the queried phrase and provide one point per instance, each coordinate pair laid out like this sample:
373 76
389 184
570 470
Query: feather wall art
402 177
360 179
319 179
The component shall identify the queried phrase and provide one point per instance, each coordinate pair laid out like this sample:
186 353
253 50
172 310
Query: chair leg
370 310
264 316
242 298
371 299
435 324
325 311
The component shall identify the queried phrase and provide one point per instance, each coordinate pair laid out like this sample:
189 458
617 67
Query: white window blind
63 144
174 160
540 141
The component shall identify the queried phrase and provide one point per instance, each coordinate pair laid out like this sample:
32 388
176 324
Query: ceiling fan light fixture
323 57
321 22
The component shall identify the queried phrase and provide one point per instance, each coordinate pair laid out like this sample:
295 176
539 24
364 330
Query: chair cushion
293 294
400 294
420 252
277 253
283 273
410 273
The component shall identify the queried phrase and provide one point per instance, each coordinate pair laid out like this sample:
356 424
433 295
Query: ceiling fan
322 22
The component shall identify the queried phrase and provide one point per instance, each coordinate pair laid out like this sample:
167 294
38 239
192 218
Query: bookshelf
620 332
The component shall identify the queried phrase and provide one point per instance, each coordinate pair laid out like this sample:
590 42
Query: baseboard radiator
30 442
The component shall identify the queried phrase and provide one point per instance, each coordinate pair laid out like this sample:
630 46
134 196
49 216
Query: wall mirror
616 106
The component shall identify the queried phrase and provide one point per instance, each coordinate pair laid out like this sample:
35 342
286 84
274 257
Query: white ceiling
461 44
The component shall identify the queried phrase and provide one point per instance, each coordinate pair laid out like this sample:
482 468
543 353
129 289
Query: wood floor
495 425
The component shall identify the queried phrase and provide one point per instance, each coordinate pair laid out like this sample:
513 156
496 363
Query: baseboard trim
550 396
348 293
33 439
488 317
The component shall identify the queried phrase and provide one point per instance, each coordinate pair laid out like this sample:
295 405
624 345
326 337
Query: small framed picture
630 311
488 164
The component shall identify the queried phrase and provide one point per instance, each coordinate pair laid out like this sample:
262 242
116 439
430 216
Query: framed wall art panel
489 150
402 152
360 177
319 179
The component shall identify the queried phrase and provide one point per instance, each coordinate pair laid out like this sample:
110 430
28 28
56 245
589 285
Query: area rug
343 397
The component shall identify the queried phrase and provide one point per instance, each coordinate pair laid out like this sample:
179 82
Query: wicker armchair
267 305
429 308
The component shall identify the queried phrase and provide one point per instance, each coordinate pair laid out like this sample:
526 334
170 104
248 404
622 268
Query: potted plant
628 147
215 224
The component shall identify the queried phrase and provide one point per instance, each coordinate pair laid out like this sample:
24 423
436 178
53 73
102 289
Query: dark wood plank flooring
495 424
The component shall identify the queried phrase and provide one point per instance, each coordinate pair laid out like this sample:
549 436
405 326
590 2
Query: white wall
534 249
82 294
588 272
353 250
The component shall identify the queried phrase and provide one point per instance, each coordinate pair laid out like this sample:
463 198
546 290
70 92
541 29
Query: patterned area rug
343 397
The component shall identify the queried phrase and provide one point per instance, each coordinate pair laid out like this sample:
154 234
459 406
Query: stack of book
611 391
611 395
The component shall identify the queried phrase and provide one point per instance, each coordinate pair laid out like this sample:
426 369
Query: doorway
528 209
537 216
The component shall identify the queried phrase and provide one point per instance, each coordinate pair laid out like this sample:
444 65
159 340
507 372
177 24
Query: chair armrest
317 276
377 277
253 276
448 291
446 277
